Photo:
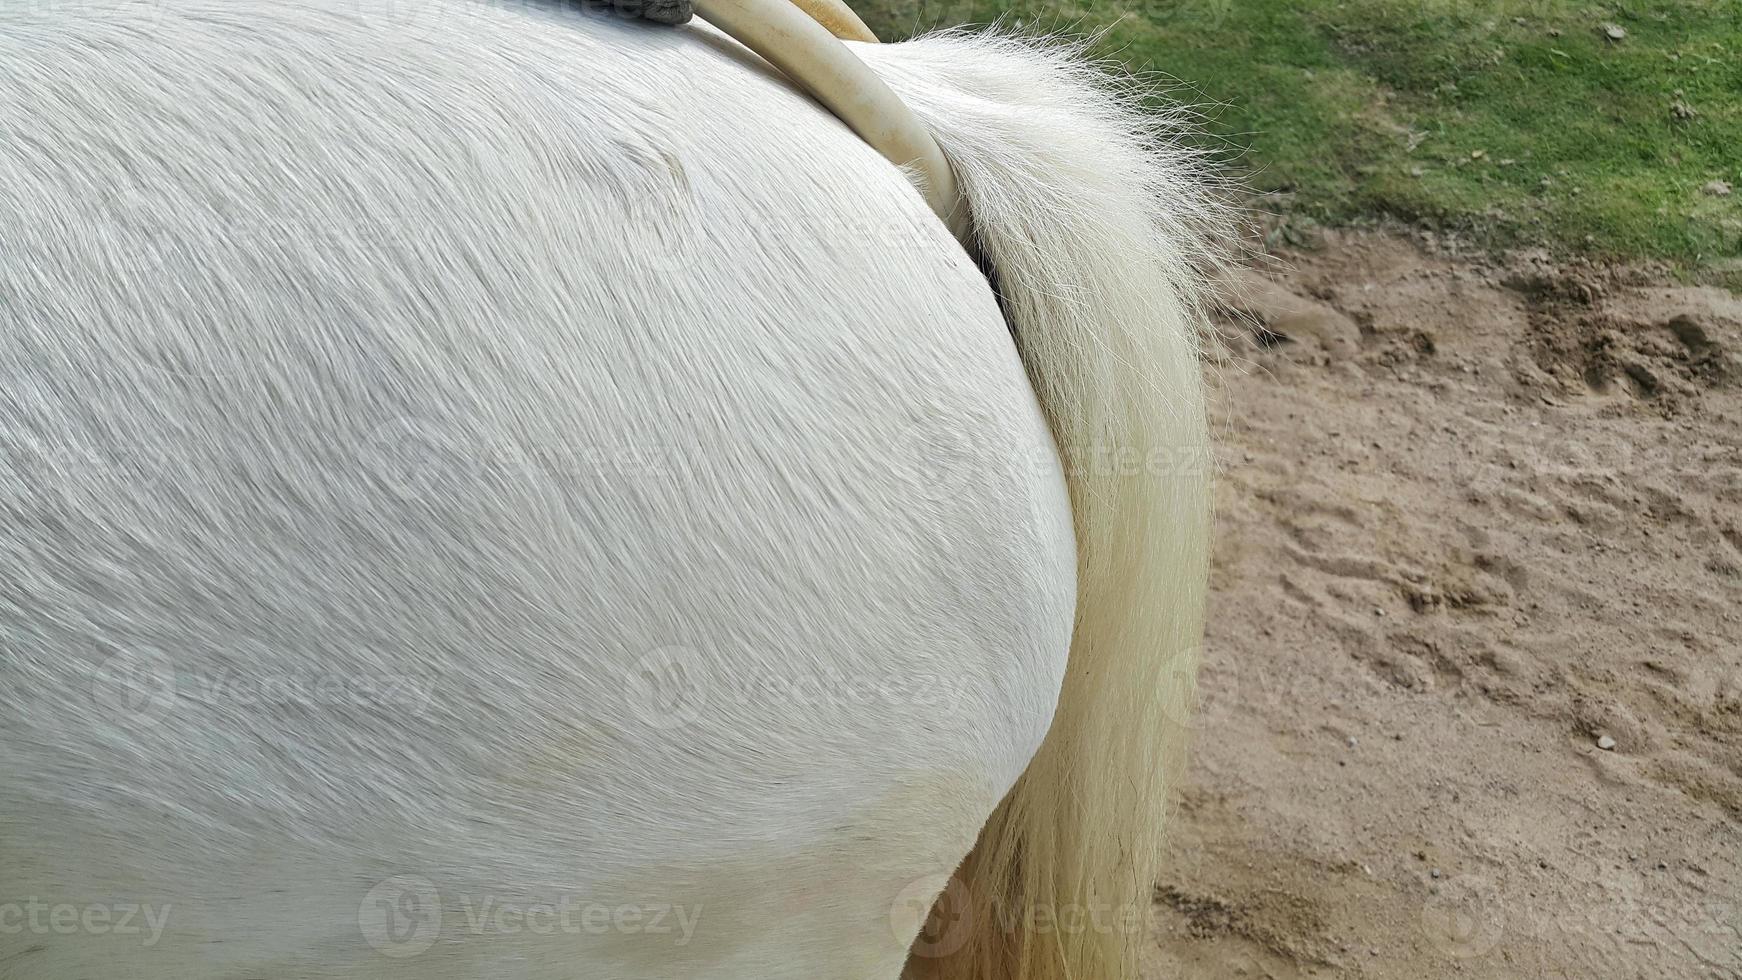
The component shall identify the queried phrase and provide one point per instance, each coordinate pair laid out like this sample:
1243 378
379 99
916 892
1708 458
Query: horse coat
492 491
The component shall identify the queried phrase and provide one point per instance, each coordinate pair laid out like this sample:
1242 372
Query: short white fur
534 361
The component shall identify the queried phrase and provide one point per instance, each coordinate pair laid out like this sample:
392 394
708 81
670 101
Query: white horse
495 491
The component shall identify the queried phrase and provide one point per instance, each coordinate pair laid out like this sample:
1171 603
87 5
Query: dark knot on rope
658 11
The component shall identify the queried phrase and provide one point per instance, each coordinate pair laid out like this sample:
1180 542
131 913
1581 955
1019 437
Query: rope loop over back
792 38
840 19
803 39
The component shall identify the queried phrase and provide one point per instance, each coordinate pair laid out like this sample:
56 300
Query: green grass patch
1520 121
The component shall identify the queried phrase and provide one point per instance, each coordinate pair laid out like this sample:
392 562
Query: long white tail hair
1100 231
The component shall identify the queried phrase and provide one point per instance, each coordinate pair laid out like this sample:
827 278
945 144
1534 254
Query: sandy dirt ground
1472 689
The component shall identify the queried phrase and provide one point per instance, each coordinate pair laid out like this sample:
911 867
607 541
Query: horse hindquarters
449 507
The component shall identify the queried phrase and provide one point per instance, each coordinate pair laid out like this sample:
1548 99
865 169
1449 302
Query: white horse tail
1098 229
